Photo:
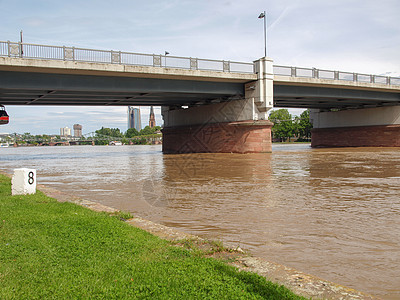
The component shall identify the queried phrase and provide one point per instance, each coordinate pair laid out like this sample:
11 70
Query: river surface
333 213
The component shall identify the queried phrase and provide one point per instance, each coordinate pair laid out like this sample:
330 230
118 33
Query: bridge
207 105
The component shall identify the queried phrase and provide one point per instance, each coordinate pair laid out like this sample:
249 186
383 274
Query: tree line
130 133
286 126
101 137
135 137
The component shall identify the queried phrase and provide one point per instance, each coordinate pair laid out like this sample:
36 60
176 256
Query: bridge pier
368 127
227 137
239 125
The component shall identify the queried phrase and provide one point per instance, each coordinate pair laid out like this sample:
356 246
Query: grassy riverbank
52 250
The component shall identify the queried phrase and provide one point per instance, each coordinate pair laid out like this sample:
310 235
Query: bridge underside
29 88
220 112
331 98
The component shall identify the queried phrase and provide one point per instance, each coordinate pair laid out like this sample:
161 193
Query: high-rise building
134 120
152 119
65 131
77 130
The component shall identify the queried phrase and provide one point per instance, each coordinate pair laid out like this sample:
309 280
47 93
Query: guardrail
33 51
334 75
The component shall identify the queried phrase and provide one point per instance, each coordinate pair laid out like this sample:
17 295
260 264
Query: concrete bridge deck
51 75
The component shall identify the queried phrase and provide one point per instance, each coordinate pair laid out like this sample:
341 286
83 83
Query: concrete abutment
368 127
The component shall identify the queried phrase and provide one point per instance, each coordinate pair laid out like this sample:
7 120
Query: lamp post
263 15
21 41
165 55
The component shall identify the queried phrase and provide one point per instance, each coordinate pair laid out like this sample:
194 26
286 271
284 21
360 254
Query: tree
304 125
111 132
131 132
283 125
27 136
103 131
116 132
147 130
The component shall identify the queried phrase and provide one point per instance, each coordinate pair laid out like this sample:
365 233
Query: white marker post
23 181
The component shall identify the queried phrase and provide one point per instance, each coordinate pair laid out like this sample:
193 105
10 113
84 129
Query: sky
347 35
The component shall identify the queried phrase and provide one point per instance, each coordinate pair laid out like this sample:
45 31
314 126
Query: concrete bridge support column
368 127
236 126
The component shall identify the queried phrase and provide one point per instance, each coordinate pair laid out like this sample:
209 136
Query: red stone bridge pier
236 126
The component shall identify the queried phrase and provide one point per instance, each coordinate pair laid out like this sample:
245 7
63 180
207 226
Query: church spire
152 119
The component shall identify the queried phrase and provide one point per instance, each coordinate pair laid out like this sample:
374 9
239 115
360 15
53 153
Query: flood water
333 213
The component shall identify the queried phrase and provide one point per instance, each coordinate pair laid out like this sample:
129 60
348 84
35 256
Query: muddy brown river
333 213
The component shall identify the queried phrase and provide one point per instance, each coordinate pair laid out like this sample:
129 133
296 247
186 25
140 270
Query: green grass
52 250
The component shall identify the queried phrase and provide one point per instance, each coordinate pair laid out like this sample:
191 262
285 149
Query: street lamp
21 50
263 15
165 57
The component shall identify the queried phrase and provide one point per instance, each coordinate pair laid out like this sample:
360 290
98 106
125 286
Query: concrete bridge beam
239 126
368 127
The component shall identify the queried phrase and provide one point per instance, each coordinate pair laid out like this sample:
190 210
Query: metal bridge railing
33 51
334 75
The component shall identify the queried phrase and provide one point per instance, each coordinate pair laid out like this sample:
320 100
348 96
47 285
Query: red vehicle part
4 119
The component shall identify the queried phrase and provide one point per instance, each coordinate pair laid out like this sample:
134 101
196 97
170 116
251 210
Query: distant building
77 130
65 131
152 119
134 120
